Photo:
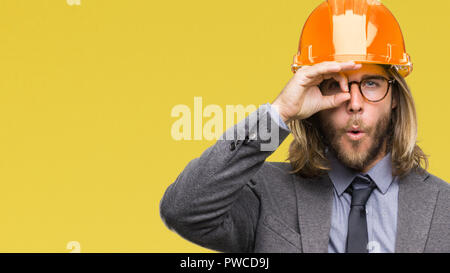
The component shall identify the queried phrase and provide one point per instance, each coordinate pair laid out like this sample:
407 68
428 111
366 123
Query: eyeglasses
373 89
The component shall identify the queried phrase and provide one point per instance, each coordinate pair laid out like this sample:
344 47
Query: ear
394 102
394 98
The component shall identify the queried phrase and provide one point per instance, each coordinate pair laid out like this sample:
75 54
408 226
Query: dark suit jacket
230 199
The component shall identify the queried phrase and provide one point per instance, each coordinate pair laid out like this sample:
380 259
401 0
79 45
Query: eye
372 83
332 85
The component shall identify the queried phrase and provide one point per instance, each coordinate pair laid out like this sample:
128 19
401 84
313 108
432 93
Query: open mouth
355 134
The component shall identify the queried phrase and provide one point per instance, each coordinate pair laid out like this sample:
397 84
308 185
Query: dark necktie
357 223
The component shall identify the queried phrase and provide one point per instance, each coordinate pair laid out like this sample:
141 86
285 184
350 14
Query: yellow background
86 94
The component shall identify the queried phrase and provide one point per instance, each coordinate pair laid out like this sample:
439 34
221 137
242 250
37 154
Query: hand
301 97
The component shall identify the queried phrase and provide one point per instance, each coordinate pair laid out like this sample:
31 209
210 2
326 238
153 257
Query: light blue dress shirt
381 207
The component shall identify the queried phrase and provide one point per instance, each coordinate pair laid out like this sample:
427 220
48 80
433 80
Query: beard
357 158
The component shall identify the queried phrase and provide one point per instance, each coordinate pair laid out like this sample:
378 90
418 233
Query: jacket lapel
416 202
314 204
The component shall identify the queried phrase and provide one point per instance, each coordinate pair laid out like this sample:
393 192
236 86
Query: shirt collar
342 176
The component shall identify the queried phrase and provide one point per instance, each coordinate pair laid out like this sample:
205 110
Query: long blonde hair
307 150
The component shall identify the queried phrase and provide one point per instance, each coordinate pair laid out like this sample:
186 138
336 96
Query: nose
356 102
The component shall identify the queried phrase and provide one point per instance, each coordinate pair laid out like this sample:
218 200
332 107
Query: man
355 181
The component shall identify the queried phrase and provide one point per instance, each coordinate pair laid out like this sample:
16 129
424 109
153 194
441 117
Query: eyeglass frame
389 81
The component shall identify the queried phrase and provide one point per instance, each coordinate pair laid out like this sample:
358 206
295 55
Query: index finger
330 67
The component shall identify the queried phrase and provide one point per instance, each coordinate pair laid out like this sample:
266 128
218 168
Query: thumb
335 100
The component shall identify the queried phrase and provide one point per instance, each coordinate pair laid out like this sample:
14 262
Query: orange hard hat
364 31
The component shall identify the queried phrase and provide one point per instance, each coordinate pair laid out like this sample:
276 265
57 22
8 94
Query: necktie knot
360 190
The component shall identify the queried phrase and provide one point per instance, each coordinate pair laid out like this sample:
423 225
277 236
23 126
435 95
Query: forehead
366 69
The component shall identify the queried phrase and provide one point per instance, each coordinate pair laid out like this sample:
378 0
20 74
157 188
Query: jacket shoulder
274 170
284 167
436 181
273 174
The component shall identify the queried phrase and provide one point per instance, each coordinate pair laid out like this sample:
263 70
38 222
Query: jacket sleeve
212 202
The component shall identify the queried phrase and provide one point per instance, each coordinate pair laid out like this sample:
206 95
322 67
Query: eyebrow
364 77
373 76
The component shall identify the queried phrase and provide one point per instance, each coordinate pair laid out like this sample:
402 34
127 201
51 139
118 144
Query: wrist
278 108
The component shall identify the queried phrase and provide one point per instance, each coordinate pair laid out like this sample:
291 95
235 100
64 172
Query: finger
331 67
322 69
334 100
339 77
314 72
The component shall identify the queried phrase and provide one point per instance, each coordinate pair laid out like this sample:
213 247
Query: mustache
355 121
